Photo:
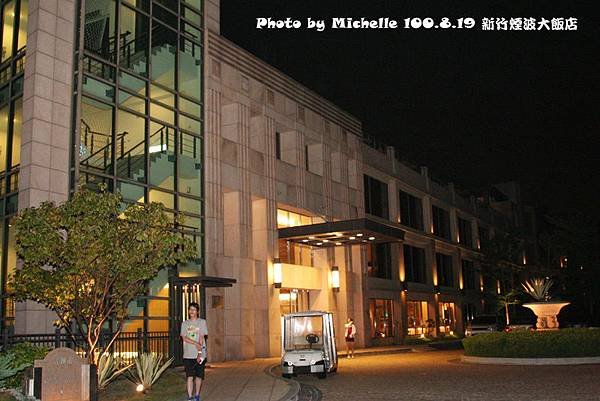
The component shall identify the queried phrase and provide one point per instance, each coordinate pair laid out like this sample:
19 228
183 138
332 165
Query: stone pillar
47 108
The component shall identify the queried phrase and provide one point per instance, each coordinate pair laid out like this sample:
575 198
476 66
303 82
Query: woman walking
349 336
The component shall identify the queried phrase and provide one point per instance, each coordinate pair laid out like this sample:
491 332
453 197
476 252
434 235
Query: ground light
139 388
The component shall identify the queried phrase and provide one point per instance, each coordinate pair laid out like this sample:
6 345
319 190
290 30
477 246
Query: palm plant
8 368
148 369
109 368
538 288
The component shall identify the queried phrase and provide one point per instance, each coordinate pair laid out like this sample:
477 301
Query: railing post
57 338
140 345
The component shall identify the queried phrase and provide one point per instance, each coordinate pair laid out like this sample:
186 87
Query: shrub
109 368
535 344
21 356
416 340
148 369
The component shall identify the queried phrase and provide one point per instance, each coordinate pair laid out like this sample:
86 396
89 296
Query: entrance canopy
204 281
345 232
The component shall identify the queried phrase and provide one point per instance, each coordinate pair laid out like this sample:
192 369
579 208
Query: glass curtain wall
140 128
13 15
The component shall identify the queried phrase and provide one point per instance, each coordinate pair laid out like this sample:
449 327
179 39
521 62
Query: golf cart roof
306 313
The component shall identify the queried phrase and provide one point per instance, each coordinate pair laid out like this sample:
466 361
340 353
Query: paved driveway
439 375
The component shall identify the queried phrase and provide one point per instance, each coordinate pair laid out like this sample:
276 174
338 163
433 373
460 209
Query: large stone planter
546 313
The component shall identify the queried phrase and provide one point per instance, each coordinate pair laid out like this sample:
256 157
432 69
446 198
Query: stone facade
45 144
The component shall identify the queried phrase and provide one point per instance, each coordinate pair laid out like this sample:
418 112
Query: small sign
64 376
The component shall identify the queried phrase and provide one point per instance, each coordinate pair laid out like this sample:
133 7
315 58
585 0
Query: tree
505 300
88 258
501 258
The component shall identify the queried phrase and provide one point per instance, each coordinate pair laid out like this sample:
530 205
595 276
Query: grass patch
6 396
563 343
171 386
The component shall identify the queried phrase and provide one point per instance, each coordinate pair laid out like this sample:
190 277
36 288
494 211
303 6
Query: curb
292 394
380 352
531 361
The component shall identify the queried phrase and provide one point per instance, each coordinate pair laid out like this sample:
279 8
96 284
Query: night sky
477 107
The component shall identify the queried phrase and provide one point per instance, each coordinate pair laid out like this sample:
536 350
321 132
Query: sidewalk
247 381
252 380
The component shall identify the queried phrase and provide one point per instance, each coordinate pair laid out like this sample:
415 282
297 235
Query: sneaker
192 399
197 398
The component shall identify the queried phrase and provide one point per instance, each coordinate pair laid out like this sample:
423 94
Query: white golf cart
308 344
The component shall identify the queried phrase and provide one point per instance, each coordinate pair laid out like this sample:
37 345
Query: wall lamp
436 288
277 274
335 278
404 286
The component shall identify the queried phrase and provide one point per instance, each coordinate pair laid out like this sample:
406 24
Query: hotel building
279 187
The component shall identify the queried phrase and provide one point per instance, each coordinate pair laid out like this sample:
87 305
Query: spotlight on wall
277 274
404 286
335 278
436 288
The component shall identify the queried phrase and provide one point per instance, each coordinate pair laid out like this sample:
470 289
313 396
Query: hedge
562 343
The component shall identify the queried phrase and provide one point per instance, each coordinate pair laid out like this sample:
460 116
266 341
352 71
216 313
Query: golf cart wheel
322 375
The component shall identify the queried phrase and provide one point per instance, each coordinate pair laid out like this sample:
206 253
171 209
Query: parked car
520 324
482 324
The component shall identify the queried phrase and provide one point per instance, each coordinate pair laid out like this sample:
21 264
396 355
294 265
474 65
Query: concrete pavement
254 381
247 381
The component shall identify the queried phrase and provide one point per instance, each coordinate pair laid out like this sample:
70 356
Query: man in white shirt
192 333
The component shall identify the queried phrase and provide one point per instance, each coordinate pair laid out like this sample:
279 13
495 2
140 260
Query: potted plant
545 309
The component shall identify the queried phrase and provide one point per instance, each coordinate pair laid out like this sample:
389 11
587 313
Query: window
376 197
441 222
382 318
379 261
447 323
293 300
468 273
444 270
465 234
278 146
285 218
484 237
411 211
414 264
295 254
418 318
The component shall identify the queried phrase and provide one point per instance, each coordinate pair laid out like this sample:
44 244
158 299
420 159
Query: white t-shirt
194 330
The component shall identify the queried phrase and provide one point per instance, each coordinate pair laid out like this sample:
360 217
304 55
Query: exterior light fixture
404 286
338 243
319 243
339 234
304 240
359 235
371 238
311 237
335 278
436 288
325 240
351 238
277 273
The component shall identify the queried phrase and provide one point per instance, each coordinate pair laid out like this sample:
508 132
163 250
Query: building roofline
228 52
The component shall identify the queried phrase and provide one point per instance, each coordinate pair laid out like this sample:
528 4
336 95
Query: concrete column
427 215
45 142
